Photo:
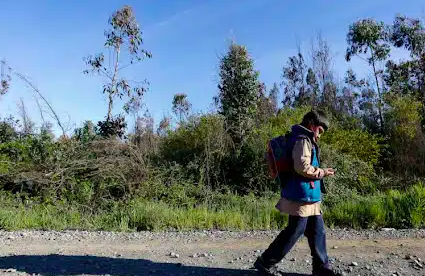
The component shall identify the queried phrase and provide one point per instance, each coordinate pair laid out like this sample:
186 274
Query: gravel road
384 252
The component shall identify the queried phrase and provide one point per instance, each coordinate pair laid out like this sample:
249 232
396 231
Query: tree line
376 141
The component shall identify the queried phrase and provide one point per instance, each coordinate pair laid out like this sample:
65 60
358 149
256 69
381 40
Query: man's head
317 122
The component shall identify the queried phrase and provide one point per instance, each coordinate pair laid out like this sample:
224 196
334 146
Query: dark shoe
326 272
267 271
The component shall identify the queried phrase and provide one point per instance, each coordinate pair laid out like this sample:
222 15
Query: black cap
317 118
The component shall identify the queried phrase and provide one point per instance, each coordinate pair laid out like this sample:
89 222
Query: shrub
356 143
406 136
199 146
351 173
92 172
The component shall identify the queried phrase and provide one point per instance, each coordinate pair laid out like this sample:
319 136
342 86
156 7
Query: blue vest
302 189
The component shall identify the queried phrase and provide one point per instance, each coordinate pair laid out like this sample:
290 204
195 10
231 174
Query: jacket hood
300 130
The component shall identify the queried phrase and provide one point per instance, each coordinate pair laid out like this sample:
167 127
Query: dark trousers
313 228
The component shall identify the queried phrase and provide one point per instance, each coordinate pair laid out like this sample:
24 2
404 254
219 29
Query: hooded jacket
306 182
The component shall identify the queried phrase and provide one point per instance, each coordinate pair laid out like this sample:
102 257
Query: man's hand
329 172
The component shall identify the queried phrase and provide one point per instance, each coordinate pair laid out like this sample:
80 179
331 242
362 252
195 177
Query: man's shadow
52 265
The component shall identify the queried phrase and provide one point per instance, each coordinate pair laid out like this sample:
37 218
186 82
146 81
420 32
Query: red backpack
279 156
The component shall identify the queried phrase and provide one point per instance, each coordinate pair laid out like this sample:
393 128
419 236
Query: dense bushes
406 153
88 173
192 178
356 143
199 151
205 152
199 146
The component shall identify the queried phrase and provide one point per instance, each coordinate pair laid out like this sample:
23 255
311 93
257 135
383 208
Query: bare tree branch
27 81
40 109
27 124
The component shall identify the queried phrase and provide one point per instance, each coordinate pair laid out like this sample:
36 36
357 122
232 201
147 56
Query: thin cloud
204 14
175 17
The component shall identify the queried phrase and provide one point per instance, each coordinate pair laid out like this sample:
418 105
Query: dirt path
200 253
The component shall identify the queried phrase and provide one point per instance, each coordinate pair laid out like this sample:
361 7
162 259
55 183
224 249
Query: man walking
301 199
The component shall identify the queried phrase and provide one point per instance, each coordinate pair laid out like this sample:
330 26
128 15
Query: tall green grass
217 211
392 209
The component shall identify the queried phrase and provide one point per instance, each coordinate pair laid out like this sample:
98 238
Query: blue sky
47 40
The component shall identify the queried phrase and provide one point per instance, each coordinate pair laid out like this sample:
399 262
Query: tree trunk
113 88
110 105
381 119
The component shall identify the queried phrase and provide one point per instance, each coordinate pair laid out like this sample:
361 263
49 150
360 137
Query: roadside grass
220 211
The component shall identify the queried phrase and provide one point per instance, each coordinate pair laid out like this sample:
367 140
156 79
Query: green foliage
7 130
239 88
200 145
409 33
282 123
394 209
33 150
352 174
266 105
408 77
123 41
406 136
4 78
293 75
368 35
274 98
181 106
357 143
213 211
312 94
113 127
87 133
247 172
404 117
